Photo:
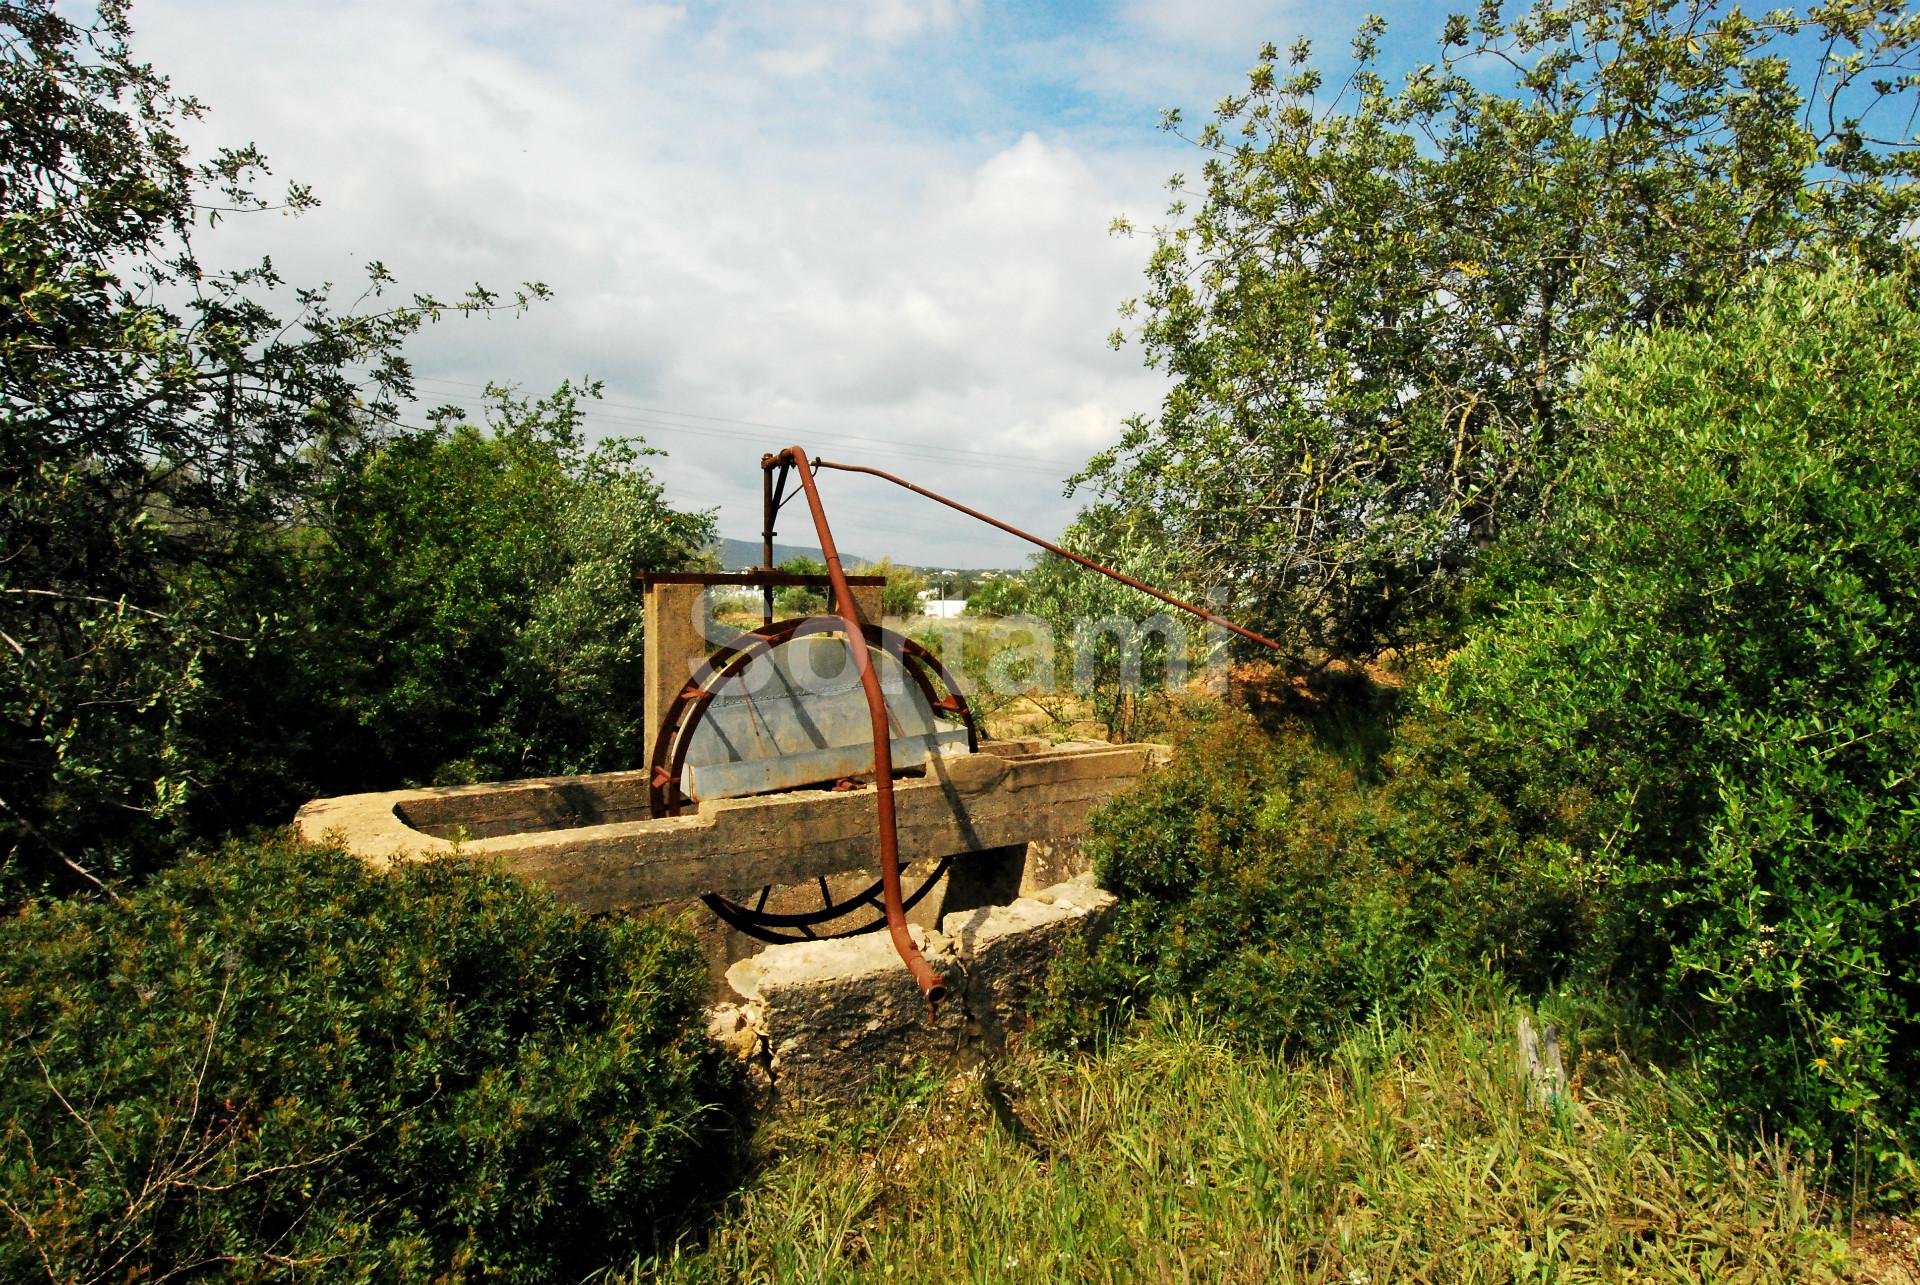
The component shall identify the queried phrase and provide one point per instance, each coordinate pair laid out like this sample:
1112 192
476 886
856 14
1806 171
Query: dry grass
1410 1156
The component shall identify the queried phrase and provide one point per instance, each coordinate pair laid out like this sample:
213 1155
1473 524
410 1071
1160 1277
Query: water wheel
781 708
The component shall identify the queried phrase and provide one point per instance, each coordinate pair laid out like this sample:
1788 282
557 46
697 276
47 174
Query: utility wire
981 459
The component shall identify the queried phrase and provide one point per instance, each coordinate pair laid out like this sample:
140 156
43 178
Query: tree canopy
900 596
1001 596
179 444
1372 303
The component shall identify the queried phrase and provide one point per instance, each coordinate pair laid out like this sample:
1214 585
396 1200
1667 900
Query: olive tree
1372 302
158 418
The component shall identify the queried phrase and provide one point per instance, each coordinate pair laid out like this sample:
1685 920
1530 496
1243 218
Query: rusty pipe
929 981
769 508
1051 547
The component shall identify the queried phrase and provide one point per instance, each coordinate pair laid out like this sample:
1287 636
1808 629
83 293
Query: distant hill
744 555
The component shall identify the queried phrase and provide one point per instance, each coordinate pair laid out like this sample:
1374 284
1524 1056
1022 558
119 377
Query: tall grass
1410 1155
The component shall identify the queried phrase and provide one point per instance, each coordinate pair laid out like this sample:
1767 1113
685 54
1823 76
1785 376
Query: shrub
801 600
900 595
463 608
1002 596
274 1063
1709 682
1272 884
1677 764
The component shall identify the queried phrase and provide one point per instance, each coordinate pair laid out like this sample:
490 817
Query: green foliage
1676 766
1408 1154
900 596
799 600
1115 645
465 609
275 1064
1373 308
158 424
1713 673
1001 596
1268 882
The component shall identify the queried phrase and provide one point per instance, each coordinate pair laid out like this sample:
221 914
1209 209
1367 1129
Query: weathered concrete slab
818 1020
1008 948
830 1014
589 840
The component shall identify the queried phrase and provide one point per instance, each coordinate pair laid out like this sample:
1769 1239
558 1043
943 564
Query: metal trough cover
797 716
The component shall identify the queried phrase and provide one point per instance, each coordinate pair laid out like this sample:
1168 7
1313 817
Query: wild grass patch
1408 1154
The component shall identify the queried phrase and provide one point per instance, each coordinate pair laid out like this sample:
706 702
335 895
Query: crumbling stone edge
816 1021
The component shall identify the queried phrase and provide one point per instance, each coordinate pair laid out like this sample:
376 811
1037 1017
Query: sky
878 229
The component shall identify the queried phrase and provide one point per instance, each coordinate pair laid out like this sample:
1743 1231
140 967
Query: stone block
831 1014
819 1019
1009 948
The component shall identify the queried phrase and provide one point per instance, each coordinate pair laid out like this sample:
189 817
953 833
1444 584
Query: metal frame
670 748
682 718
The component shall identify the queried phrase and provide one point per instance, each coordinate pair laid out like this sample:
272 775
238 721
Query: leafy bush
1001 596
462 607
1712 676
275 1064
1121 650
1271 883
1677 764
801 600
900 596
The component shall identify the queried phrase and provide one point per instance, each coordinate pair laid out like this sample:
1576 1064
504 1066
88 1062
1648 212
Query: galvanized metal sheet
798 716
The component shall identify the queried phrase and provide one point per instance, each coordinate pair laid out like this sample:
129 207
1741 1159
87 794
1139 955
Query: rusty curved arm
1051 547
930 982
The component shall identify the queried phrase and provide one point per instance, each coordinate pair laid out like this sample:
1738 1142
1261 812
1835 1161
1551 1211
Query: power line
853 503
933 454
939 454
862 510
903 452
780 428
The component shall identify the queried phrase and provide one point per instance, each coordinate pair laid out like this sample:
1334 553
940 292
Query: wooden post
1540 1066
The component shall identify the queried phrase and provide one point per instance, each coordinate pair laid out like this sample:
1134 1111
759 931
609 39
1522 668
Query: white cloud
894 20
740 219
799 61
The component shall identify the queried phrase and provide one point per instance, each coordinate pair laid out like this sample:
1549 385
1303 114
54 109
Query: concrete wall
816 1021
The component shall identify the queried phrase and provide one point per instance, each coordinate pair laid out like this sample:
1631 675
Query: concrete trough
783 819
1013 813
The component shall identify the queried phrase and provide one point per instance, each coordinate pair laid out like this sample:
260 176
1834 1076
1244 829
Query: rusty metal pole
1051 547
930 982
770 508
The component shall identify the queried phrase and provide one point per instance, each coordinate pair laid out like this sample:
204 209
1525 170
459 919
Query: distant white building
943 608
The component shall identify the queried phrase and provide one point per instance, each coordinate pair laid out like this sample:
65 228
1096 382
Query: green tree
900 596
1113 644
799 600
158 421
1701 695
464 608
1372 303
1001 596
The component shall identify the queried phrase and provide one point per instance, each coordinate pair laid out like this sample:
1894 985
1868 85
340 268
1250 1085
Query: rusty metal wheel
842 914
